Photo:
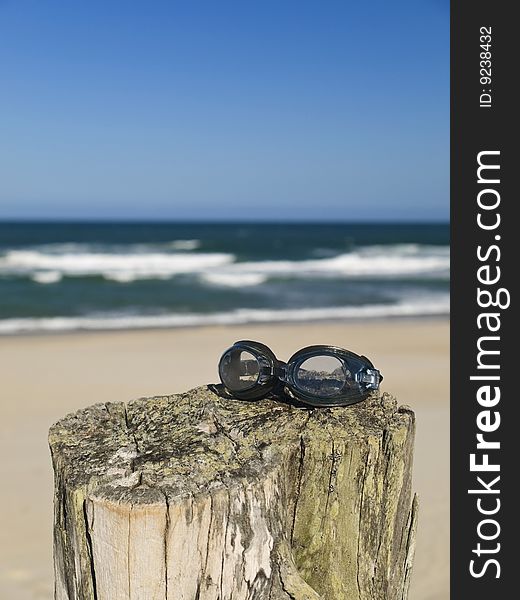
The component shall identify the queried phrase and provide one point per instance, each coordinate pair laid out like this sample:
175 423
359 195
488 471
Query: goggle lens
239 370
324 376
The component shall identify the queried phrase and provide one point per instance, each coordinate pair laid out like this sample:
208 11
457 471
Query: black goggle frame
276 377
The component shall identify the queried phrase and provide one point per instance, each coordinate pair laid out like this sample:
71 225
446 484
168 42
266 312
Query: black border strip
478 125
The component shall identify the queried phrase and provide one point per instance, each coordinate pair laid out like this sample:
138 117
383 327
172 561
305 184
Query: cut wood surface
201 497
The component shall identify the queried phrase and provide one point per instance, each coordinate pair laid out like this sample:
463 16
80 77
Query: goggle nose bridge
280 370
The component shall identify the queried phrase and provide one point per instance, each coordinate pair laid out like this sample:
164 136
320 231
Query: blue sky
224 110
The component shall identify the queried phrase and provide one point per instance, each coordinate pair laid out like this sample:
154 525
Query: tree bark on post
201 497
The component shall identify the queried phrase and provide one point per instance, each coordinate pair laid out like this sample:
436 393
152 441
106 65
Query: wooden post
200 497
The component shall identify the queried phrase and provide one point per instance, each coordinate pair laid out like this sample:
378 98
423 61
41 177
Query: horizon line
135 221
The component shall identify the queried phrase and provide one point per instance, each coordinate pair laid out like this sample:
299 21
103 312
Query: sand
44 377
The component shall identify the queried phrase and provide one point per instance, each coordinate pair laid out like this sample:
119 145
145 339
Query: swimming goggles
316 375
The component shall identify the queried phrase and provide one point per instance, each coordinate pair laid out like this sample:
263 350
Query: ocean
94 276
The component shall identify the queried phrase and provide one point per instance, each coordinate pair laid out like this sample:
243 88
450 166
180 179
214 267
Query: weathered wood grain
201 497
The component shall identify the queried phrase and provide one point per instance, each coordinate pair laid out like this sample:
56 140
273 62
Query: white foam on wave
373 261
46 277
185 244
234 280
119 267
419 307
128 248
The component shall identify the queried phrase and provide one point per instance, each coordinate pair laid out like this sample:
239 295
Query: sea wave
113 247
185 244
438 305
403 260
118 267
223 269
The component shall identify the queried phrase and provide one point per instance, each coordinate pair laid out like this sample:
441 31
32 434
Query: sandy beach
44 377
